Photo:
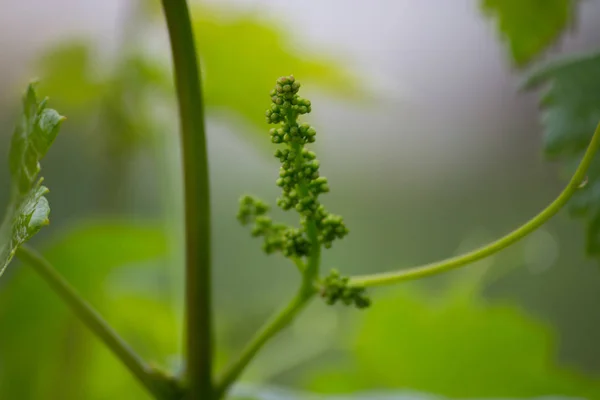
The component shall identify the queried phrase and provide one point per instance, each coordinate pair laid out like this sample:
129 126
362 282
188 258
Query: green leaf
571 111
68 72
240 55
225 39
530 26
436 343
114 105
28 209
124 271
53 355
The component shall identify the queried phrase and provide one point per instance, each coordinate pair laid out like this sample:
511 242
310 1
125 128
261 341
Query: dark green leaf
28 209
571 111
530 26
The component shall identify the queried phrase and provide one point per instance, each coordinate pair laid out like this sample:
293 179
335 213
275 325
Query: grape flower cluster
335 288
301 185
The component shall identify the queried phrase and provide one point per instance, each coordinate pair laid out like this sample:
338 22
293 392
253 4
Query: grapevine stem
199 339
435 268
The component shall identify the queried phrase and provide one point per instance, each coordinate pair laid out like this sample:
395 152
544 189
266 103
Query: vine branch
435 268
274 325
158 386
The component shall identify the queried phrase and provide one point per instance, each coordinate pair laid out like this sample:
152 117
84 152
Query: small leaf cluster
28 210
335 288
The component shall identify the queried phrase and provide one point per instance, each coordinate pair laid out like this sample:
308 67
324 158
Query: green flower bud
335 288
308 155
301 186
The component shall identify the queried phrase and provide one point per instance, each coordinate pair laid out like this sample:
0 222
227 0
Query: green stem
312 265
299 264
455 262
90 317
274 325
197 200
314 260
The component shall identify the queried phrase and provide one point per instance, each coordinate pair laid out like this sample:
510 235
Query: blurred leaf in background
253 392
241 56
53 356
111 99
112 110
68 73
530 26
571 100
248 392
571 113
123 103
450 343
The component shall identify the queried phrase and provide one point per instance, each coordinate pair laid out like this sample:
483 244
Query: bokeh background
430 147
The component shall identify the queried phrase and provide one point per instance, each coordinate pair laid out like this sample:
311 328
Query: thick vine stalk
199 343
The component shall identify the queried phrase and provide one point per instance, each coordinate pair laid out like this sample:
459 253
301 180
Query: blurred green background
430 150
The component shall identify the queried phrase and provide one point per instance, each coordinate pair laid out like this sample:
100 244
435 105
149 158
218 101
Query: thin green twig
299 264
286 315
90 317
455 262
199 339
274 325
